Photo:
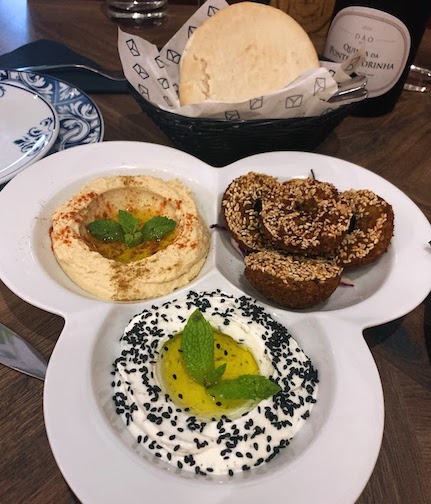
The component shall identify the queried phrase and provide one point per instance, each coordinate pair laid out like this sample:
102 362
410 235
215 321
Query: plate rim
8 174
14 80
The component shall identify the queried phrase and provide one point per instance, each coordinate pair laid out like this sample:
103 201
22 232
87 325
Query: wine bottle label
385 39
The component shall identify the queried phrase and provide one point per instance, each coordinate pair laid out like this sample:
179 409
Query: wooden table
396 146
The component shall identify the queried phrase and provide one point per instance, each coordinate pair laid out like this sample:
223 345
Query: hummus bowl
337 447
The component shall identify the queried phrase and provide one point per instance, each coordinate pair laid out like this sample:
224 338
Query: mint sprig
128 231
106 230
157 227
244 387
197 346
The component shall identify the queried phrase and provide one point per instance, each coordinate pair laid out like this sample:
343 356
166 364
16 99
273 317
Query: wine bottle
389 31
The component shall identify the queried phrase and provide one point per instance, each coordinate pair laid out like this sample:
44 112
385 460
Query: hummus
140 276
226 444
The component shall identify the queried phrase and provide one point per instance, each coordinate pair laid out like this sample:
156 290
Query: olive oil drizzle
191 396
119 252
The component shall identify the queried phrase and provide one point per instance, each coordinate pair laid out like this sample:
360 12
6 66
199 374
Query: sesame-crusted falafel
305 216
372 229
241 205
292 281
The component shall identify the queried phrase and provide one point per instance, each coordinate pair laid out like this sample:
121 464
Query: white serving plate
28 129
332 457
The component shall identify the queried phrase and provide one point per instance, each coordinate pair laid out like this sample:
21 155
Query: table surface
396 146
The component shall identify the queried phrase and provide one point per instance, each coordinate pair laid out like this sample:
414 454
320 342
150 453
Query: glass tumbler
137 11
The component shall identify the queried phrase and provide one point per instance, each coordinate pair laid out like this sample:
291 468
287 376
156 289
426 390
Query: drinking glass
137 11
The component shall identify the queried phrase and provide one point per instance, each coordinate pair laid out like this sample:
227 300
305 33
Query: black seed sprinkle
146 335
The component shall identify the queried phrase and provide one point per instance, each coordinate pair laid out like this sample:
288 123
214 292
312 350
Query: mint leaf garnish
197 345
127 230
132 240
158 227
129 223
213 377
106 230
245 387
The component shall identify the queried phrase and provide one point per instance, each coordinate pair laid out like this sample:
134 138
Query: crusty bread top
244 51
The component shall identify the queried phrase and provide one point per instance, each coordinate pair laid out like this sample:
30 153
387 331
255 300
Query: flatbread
244 51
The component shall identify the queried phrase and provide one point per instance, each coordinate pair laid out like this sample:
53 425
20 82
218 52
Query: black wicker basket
219 142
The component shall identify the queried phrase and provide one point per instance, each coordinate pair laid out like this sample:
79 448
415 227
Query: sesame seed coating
306 217
283 226
241 208
373 228
292 281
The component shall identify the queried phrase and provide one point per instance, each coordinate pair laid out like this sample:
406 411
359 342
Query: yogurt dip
219 445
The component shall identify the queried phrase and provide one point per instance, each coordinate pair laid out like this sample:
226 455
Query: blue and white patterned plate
79 117
29 127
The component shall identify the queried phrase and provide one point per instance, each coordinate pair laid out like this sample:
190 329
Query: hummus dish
227 436
112 269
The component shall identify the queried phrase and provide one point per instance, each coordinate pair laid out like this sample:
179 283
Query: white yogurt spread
223 445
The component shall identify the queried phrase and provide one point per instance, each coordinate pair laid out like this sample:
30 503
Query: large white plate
28 129
80 120
332 457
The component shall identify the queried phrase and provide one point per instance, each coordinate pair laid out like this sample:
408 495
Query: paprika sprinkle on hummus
129 238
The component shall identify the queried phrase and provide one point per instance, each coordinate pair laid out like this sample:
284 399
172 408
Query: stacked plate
40 115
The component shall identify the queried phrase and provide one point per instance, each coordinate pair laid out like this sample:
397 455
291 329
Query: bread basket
220 142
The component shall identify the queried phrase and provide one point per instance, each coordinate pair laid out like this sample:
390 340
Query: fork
114 75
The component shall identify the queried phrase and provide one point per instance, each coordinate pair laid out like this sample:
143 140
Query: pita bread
244 51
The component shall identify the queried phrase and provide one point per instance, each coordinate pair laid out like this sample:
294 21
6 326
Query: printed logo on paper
319 85
293 101
173 56
163 82
143 74
144 91
133 48
212 10
352 65
256 103
190 31
232 115
159 62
